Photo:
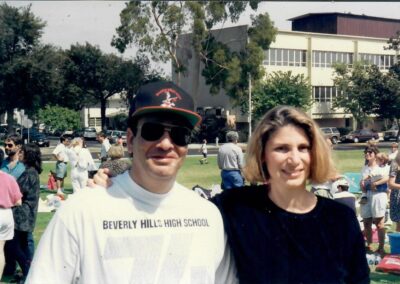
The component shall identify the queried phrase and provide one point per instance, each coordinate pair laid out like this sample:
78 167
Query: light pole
250 106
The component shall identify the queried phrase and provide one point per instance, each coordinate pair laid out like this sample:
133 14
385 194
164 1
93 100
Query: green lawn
193 173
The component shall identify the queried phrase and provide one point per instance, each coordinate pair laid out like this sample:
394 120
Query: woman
116 165
394 185
81 162
10 196
279 232
25 215
373 183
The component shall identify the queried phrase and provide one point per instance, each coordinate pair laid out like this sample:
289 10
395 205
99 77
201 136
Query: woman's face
287 155
370 156
21 156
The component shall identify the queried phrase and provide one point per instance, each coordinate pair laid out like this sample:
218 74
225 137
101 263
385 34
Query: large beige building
318 41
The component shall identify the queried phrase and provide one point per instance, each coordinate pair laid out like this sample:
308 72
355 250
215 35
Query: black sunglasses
152 131
369 152
9 145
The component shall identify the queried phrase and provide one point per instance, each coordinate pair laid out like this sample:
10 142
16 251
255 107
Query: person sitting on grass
342 195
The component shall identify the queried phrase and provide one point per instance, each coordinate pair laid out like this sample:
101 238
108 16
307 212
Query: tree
155 28
230 70
365 90
93 77
281 88
59 118
20 32
356 93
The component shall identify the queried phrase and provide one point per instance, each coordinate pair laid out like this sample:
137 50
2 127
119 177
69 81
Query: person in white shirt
374 186
62 162
81 162
394 147
203 150
145 228
105 146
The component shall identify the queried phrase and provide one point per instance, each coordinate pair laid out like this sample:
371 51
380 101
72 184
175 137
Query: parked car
391 134
114 134
89 133
68 133
28 133
332 133
360 136
40 139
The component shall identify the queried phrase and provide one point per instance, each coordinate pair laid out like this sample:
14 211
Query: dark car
360 136
40 139
28 133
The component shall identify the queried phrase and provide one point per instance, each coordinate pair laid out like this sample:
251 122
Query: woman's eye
304 149
281 149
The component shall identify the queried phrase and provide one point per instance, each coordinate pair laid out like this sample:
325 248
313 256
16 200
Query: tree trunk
10 121
103 105
195 78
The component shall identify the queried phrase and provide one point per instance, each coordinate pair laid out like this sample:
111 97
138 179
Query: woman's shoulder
246 195
337 210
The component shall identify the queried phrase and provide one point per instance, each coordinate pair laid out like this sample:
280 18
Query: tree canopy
93 77
20 55
59 118
281 88
363 90
155 27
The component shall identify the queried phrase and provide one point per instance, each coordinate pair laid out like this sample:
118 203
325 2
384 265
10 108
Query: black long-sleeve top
25 215
271 245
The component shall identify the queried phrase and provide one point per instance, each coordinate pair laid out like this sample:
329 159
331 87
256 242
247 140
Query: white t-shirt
81 158
105 146
126 234
204 148
60 151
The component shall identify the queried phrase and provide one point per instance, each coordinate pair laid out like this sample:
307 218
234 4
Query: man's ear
129 140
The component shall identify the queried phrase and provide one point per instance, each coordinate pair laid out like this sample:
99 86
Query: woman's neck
293 200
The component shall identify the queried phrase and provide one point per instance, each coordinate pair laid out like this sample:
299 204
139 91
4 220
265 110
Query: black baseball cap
164 97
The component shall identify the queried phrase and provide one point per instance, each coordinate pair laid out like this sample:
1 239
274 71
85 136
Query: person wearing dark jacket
25 215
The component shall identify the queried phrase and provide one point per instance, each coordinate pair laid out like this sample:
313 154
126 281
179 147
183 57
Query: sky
70 22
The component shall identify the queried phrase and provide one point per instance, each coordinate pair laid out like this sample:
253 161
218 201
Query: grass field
193 173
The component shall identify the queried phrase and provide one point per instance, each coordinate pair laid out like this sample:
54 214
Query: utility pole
250 107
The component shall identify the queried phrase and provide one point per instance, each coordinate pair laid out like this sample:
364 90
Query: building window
285 57
383 61
324 94
325 59
95 121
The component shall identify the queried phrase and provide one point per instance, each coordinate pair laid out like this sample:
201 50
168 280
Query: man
105 146
11 164
230 161
145 228
14 167
62 162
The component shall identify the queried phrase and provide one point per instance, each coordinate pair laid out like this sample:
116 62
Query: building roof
349 15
